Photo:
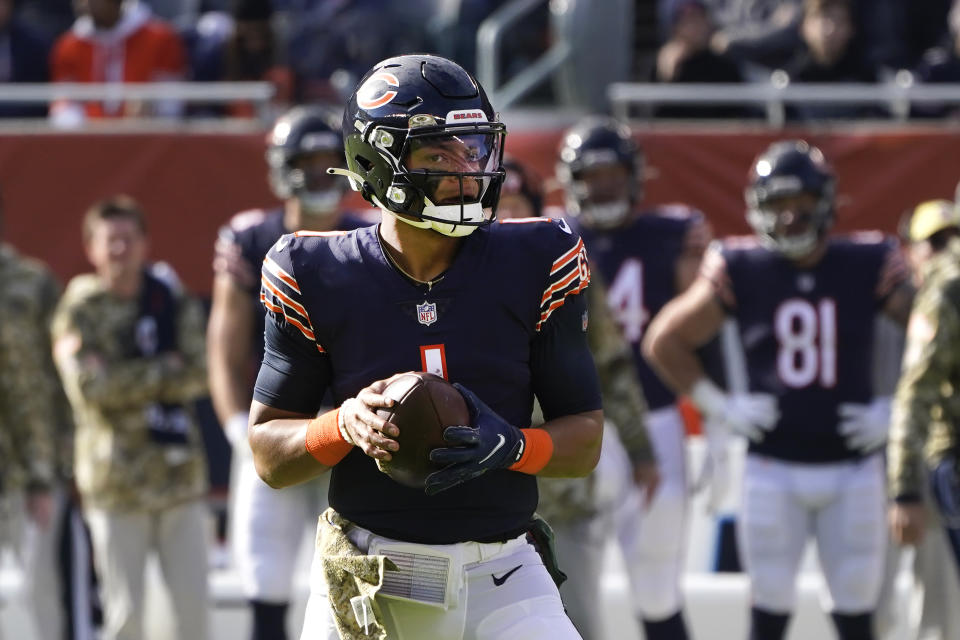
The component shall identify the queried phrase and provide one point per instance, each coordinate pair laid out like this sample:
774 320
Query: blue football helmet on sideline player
295 135
595 142
789 170
415 102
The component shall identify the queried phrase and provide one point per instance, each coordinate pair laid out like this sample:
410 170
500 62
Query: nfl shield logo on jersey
427 313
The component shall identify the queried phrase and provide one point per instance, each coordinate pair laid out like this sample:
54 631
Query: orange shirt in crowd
138 48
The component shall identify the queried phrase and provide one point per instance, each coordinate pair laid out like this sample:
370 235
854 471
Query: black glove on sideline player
489 443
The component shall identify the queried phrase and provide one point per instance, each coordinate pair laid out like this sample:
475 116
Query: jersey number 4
807 342
625 299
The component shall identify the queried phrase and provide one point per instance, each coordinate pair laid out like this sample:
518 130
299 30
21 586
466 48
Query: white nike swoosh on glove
495 449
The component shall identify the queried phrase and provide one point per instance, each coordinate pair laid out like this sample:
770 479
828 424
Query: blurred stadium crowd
314 52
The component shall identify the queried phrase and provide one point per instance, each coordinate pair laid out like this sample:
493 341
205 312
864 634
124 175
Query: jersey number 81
807 342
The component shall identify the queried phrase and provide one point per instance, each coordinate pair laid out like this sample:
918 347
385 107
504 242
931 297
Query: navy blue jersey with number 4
807 334
492 323
638 262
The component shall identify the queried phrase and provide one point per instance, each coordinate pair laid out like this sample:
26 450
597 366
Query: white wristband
236 429
708 397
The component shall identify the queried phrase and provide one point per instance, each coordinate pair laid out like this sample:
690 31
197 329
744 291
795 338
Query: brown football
425 405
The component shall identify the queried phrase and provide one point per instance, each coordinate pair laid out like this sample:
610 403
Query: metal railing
896 97
258 93
489 37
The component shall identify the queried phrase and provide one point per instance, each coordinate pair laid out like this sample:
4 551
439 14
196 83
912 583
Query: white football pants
655 555
842 505
268 527
524 606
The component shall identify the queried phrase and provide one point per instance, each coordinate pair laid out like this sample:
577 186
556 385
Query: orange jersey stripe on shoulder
282 275
574 273
562 261
284 298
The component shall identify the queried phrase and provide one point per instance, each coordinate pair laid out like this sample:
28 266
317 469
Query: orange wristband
324 440
536 453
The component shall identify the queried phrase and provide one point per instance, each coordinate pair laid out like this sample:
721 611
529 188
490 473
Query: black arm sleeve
564 376
293 376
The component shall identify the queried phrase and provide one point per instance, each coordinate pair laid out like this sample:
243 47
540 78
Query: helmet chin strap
474 213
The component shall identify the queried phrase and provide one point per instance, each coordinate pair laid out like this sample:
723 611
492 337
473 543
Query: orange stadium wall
190 183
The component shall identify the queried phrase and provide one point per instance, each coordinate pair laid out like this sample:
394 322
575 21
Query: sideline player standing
805 305
39 518
268 526
931 231
494 308
925 433
128 343
646 258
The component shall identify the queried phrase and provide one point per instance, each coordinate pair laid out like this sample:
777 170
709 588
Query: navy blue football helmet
599 141
785 170
296 134
423 142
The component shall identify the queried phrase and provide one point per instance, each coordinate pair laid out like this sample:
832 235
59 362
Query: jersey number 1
807 338
433 359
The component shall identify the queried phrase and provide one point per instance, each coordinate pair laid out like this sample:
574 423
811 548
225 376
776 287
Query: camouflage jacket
925 424
564 499
138 446
35 428
623 401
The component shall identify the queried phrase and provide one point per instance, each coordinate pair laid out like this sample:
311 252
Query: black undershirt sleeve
563 373
294 375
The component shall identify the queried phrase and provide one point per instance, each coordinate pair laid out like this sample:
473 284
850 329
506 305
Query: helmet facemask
319 192
601 193
791 223
445 178
790 198
304 176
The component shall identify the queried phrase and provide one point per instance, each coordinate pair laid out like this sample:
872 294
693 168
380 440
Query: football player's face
450 154
795 214
605 183
117 247
314 167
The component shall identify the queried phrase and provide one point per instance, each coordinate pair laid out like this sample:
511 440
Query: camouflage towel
351 577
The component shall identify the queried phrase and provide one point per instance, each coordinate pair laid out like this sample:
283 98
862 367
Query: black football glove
489 443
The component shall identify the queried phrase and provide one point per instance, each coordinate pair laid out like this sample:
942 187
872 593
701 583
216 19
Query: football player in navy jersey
493 308
805 305
267 526
646 257
585 513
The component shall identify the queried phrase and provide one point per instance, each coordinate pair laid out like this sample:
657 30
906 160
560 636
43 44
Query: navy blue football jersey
639 264
487 324
807 334
241 247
